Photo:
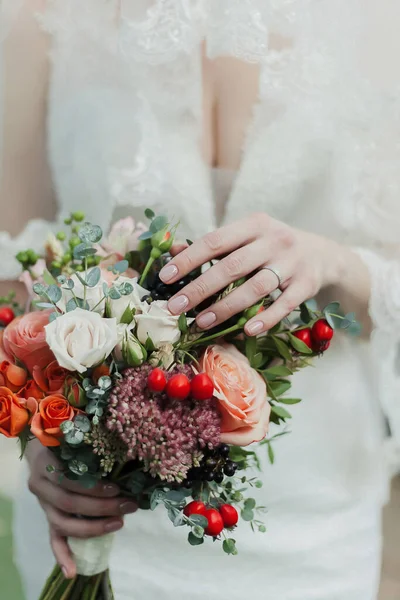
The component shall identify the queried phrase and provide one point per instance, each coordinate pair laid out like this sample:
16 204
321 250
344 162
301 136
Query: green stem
214 336
96 586
147 268
98 304
68 589
52 577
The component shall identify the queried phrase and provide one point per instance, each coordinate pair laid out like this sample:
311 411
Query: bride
272 129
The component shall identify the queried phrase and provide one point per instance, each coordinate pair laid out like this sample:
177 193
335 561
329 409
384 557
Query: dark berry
211 462
219 477
230 468
188 484
181 284
195 474
209 475
224 450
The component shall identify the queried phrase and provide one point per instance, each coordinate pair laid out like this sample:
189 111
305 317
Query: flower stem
85 287
214 336
146 270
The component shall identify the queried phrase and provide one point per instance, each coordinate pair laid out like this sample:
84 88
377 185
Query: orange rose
51 379
241 392
12 376
100 371
31 390
25 339
15 413
53 411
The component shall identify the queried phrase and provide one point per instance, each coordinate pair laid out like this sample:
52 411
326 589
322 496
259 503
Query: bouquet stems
97 587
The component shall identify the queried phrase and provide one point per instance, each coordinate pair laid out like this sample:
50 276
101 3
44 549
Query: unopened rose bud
162 240
133 353
253 311
74 393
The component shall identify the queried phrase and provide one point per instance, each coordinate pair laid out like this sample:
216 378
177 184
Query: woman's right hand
63 500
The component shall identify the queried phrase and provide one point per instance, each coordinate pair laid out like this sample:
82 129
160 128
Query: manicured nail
113 526
127 508
206 320
178 305
111 490
255 327
168 272
65 572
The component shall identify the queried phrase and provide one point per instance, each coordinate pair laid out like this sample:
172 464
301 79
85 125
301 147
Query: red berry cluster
179 386
318 337
6 316
225 517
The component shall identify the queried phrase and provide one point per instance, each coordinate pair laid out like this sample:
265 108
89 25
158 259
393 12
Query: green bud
67 221
242 321
91 261
79 268
74 393
74 242
163 240
78 216
56 264
22 257
75 229
97 259
67 258
133 352
32 257
143 244
61 236
253 310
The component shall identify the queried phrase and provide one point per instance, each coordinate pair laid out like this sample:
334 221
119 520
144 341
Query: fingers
215 244
101 490
230 269
291 298
62 554
66 525
255 289
78 504
177 248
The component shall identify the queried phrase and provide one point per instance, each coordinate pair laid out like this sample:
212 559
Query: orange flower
241 394
100 371
25 339
53 411
3 353
12 376
50 379
15 413
31 390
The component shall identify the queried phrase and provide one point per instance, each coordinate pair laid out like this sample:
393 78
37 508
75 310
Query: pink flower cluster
167 436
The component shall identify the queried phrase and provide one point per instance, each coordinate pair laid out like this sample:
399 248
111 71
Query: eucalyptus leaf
199 521
39 289
125 288
332 307
54 293
61 279
83 251
147 235
121 266
249 503
149 213
334 322
82 423
53 316
74 437
229 547
93 277
48 278
114 293
198 531
44 305
247 515
67 426
90 234
158 223
70 284
271 454
194 540
106 289
281 412
88 481
177 496
157 498
77 467
71 305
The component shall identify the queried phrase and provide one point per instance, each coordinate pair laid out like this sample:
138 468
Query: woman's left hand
303 264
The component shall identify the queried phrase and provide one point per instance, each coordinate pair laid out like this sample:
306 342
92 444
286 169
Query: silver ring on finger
275 271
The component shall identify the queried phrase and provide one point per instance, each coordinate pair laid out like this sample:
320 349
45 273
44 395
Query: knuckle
213 241
288 304
199 289
285 237
261 220
226 307
233 266
260 286
67 504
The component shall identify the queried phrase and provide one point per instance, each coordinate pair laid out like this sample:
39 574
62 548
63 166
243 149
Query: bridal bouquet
119 388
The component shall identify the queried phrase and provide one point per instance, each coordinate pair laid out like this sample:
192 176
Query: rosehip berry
229 515
157 381
215 522
321 334
195 508
202 387
304 335
6 316
178 387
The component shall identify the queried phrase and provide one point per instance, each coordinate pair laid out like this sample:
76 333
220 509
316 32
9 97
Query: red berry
202 387
178 387
215 522
229 515
195 508
304 335
6 316
157 381
321 334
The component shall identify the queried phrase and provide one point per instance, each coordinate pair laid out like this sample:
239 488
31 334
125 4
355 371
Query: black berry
224 450
219 477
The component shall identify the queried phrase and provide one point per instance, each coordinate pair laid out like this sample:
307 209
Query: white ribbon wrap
92 556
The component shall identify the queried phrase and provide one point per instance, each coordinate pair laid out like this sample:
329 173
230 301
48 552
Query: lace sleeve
26 197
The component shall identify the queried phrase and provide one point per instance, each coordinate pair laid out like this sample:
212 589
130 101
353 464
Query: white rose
94 295
132 301
81 339
158 324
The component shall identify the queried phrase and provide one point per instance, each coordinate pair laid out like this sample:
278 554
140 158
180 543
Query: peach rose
25 339
241 392
12 376
3 353
15 413
51 379
53 411
31 390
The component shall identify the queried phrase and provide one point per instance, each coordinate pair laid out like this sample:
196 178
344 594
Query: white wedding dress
323 153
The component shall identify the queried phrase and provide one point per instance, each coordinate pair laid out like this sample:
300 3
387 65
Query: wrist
336 264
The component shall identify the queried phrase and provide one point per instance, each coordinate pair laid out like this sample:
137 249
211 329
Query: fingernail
128 507
206 320
255 327
110 490
168 272
113 526
178 305
65 572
